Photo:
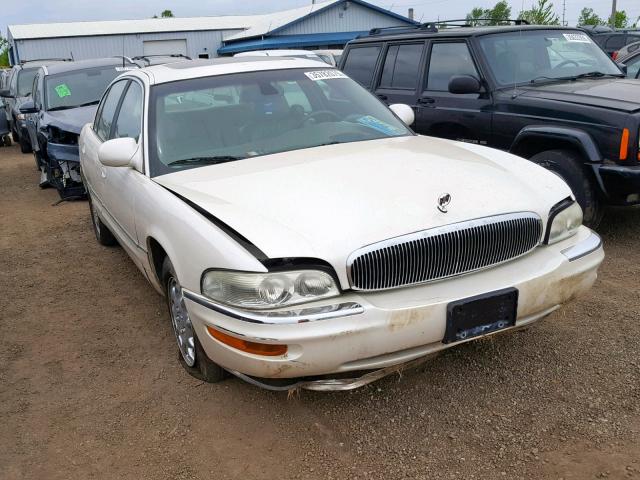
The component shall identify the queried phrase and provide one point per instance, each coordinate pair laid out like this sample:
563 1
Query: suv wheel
191 353
568 165
103 234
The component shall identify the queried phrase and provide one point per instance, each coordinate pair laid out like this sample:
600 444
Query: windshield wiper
93 102
594 74
69 107
205 160
61 107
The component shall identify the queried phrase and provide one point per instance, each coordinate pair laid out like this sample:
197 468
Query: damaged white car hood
325 202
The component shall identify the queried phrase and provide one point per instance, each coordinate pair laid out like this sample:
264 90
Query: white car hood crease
325 202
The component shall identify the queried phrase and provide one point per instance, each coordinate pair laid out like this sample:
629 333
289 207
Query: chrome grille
444 252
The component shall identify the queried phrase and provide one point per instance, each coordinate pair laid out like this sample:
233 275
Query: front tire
25 145
102 232
568 165
191 354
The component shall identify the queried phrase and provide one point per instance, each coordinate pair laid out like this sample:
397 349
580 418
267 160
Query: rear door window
447 60
361 63
402 66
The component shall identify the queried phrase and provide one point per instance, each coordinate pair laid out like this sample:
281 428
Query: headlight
22 116
268 290
564 220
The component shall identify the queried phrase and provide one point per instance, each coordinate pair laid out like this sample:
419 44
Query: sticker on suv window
63 90
325 75
577 37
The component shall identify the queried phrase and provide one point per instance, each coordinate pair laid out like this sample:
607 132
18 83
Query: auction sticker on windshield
577 37
325 75
63 90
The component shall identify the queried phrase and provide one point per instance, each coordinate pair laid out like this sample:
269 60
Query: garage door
165 47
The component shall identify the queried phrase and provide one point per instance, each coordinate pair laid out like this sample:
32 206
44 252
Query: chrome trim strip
303 315
584 248
433 238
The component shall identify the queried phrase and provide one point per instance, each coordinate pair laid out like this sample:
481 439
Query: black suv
547 94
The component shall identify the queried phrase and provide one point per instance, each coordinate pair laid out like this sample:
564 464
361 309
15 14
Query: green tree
589 17
4 52
541 14
475 16
620 20
490 16
165 14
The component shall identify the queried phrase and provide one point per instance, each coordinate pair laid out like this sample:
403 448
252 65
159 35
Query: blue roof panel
288 41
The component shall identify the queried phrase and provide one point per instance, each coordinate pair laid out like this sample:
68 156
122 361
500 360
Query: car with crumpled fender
304 237
64 98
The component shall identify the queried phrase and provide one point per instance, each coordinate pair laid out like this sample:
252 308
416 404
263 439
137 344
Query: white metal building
329 24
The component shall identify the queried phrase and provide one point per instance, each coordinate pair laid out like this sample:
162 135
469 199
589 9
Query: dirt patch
90 385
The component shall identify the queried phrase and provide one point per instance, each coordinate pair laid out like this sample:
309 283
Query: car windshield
217 119
538 55
79 87
25 81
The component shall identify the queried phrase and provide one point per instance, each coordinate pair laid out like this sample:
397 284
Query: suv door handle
426 100
382 96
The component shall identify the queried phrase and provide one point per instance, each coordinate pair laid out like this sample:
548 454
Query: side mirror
623 67
404 113
117 152
6 94
461 84
28 107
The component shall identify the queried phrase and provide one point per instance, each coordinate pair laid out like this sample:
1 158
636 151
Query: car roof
199 68
423 31
64 67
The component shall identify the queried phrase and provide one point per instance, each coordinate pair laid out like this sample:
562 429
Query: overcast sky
46 11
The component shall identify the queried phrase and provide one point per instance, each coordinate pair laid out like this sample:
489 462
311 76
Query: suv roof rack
433 26
22 62
467 22
171 55
429 27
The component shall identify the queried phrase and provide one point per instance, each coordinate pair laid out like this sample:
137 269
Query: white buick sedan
304 236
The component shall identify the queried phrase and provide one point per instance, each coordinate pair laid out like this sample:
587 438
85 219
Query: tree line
544 13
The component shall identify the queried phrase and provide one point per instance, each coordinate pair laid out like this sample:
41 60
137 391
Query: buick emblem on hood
443 201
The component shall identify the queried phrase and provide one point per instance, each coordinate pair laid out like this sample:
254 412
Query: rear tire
568 165
102 232
190 352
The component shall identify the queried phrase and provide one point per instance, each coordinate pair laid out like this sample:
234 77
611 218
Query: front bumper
620 184
64 170
392 329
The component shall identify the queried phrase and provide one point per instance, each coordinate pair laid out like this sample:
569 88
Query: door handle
382 96
426 100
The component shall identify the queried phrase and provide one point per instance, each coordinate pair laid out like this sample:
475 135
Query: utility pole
612 20
564 12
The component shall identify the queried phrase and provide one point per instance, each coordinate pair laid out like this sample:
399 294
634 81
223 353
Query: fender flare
579 138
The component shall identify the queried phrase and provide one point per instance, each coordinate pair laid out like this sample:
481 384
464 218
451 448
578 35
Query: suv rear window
616 42
360 64
402 66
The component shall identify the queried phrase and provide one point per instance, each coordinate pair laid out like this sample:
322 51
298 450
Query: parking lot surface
90 385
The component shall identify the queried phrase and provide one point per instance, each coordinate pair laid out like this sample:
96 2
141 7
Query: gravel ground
90 385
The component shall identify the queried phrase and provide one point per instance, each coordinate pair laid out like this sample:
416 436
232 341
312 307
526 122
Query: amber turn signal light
624 144
265 349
